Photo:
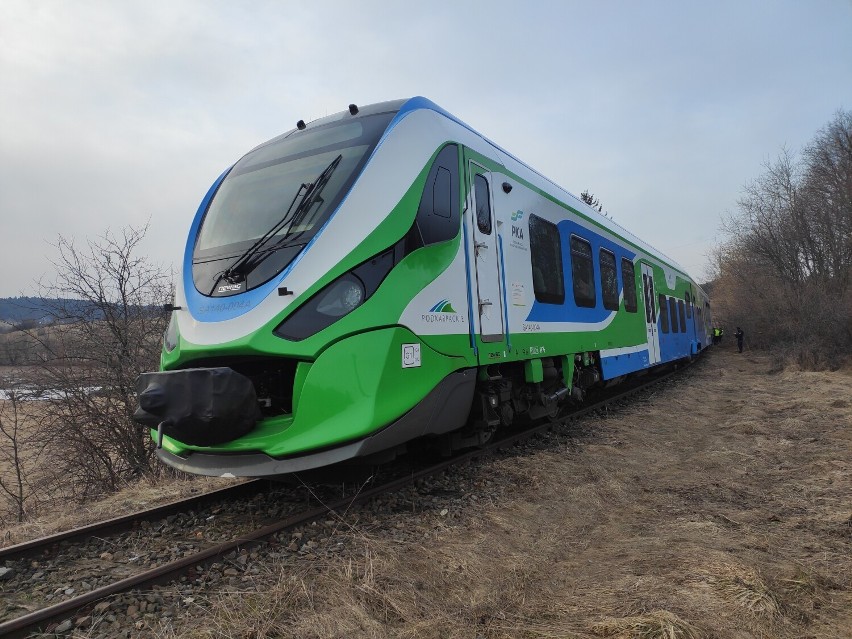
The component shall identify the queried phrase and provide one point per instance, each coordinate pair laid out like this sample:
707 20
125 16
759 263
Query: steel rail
36 620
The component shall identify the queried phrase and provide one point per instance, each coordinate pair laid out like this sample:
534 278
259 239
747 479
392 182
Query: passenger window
441 193
438 213
628 277
483 204
673 314
609 280
681 315
688 305
546 259
648 298
582 272
664 314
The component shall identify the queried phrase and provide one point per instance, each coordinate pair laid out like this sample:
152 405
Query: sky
123 112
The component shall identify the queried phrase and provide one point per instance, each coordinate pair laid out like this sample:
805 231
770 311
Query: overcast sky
124 112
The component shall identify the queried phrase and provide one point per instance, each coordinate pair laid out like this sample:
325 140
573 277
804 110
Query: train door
650 314
485 267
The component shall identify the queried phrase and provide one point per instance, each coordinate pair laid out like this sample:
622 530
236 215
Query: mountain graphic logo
517 215
443 306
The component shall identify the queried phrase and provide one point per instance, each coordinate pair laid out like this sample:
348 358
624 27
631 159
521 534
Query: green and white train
387 274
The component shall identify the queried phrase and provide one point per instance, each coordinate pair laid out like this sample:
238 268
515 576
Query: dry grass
745 588
658 624
717 508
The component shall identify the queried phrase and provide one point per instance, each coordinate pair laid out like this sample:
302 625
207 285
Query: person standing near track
739 335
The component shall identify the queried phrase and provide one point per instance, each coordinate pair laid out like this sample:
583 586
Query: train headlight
342 297
337 299
170 337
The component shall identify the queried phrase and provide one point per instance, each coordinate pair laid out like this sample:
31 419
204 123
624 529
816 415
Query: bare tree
108 304
785 270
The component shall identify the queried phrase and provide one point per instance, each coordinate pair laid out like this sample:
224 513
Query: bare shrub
14 479
107 301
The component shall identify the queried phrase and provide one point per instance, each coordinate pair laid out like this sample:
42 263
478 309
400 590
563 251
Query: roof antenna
301 125
353 109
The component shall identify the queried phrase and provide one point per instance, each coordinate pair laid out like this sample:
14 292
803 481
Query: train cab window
688 305
546 259
483 204
673 314
664 314
438 213
628 277
583 272
681 315
609 280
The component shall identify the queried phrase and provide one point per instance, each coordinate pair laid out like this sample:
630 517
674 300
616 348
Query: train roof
403 107
424 103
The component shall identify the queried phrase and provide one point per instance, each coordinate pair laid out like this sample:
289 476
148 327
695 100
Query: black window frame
688 298
551 271
631 303
673 315
478 180
664 313
609 293
431 226
580 298
681 314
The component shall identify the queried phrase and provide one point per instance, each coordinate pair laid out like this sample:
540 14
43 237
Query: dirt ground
716 506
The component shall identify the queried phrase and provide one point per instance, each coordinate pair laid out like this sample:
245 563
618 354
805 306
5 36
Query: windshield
256 194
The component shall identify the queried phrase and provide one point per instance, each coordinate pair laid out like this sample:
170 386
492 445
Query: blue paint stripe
503 282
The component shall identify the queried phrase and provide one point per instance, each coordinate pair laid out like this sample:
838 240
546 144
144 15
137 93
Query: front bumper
444 409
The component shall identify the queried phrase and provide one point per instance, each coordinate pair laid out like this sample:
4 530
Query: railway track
56 617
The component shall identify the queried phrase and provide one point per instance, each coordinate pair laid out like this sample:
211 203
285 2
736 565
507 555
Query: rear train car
388 273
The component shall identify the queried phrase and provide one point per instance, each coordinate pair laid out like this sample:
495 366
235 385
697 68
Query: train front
283 349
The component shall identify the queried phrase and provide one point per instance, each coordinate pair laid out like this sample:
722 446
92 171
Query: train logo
444 306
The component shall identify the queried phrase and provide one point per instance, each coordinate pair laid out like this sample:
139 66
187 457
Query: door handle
480 245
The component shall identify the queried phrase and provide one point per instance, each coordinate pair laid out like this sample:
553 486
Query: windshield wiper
244 264
312 195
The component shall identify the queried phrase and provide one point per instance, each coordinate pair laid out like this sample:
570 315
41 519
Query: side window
628 276
664 314
438 213
649 297
682 315
688 305
582 272
673 314
546 259
483 204
609 280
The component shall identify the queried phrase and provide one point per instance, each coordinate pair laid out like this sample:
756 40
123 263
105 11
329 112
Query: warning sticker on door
518 296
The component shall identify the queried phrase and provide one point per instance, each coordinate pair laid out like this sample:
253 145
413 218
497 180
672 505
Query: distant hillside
17 311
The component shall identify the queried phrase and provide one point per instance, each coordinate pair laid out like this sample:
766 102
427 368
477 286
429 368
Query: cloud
119 113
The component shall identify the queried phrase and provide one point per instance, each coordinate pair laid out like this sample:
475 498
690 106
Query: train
385 277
